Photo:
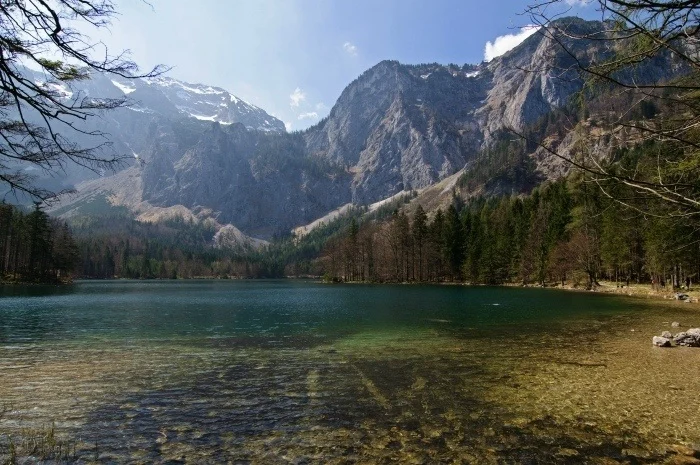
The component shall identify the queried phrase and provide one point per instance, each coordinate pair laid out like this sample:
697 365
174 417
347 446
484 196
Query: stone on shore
659 341
690 338
667 335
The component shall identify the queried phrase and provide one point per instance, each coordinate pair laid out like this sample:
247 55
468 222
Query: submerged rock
683 460
682 449
667 335
675 324
659 341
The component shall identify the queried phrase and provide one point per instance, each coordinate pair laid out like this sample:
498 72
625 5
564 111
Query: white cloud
350 48
288 126
507 42
296 97
309 115
577 2
320 106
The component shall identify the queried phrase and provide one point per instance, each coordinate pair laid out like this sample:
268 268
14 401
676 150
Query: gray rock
659 341
690 338
675 324
680 296
667 335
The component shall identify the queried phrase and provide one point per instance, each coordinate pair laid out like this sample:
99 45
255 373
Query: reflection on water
288 372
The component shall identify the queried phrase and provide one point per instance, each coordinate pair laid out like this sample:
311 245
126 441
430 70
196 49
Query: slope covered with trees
565 232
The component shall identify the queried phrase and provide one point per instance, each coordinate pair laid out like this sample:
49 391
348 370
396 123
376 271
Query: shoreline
644 291
640 291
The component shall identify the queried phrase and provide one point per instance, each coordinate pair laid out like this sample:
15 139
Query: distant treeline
176 249
116 245
33 247
564 232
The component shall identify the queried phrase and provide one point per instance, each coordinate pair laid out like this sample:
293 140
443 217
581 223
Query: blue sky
294 57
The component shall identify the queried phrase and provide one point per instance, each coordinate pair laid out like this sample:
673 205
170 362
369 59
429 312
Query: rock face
150 101
261 183
403 127
395 128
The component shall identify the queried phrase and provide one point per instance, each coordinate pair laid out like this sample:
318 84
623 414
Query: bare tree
635 34
44 34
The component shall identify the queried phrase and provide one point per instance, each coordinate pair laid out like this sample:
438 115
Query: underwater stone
659 341
683 460
675 324
683 450
667 335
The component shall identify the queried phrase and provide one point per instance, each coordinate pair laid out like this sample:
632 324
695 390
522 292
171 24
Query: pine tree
453 243
419 228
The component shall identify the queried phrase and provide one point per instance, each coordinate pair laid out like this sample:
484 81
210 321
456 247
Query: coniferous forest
565 232
35 247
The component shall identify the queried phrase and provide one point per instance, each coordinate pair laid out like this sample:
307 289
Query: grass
42 444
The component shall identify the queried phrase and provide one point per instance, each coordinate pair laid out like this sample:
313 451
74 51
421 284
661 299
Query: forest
565 232
177 249
34 247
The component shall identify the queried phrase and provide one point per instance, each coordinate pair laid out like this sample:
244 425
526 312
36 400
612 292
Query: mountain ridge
395 128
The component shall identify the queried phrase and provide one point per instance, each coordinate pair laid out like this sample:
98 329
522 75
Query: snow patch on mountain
210 103
123 87
63 91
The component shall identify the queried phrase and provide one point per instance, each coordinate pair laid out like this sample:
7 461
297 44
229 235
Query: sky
293 58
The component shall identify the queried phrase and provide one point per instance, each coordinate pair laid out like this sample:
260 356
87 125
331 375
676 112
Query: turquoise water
273 311
301 372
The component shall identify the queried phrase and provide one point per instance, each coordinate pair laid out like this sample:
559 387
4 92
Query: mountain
198 101
149 101
395 128
167 97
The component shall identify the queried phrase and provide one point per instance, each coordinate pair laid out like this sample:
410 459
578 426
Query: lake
300 372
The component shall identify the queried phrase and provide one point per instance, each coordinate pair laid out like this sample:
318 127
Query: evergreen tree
419 229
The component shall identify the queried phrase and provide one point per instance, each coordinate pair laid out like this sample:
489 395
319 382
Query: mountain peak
200 101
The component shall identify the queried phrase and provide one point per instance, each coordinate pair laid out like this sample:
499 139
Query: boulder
659 341
667 335
680 296
675 324
690 338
